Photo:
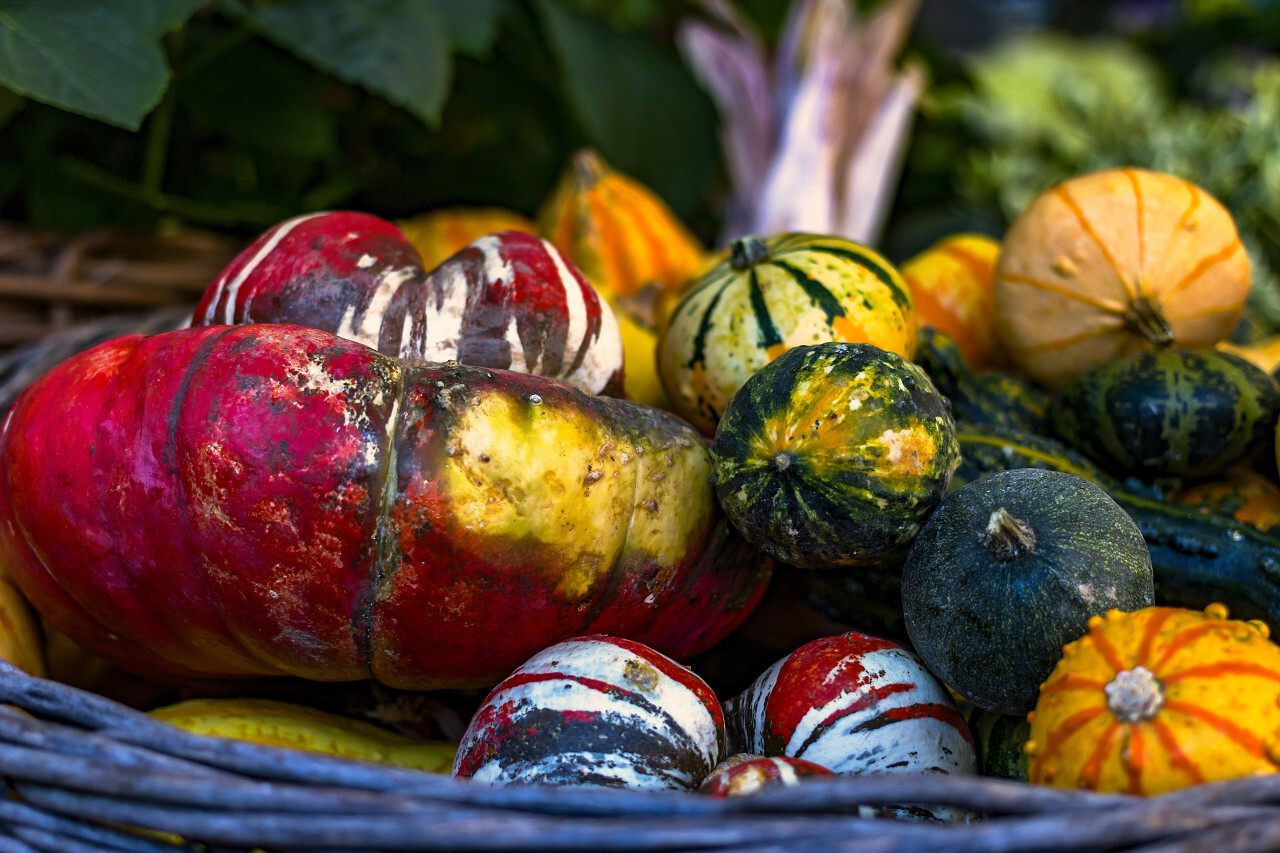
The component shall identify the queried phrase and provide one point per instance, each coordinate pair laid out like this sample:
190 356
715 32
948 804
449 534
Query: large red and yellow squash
271 499
1121 261
1159 699
439 233
950 286
508 300
768 296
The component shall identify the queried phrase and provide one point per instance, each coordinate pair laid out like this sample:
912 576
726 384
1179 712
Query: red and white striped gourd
509 300
744 773
855 704
598 711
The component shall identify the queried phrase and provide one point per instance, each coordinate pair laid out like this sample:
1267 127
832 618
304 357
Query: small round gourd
1122 260
768 296
1008 569
744 773
1159 699
1170 413
833 455
854 704
596 711
950 285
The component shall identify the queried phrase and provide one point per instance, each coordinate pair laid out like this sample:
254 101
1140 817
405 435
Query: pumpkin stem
1134 695
1146 318
588 167
1008 538
747 252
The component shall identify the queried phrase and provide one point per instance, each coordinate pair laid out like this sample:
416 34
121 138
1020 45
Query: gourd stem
1146 318
1008 538
747 252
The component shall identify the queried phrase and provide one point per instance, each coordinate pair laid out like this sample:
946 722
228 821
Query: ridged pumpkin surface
771 295
1122 260
833 455
950 285
437 234
1159 699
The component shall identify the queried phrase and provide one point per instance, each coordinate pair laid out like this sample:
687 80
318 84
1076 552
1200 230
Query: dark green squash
986 397
1196 558
1000 741
1168 413
833 455
1010 568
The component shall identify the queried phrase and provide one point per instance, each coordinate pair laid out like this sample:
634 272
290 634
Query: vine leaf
394 48
637 104
99 58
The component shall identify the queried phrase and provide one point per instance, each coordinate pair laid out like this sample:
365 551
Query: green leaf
470 25
99 58
637 104
393 48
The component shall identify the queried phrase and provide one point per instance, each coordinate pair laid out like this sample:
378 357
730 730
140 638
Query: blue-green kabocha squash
1007 570
833 455
1168 413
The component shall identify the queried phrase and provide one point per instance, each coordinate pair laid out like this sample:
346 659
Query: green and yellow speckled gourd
768 296
833 455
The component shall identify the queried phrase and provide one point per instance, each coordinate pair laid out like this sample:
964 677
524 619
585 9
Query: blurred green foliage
235 114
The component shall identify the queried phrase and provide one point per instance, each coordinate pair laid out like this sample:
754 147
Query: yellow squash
1159 699
20 640
950 285
1116 262
276 723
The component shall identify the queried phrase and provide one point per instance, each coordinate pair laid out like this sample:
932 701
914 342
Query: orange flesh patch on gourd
1133 756
1108 651
1204 265
1226 667
1180 642
847 330
1059 736
1071 681
1243 738
1065 197
775 351
1176 756
1092 768
1137 199
1087 299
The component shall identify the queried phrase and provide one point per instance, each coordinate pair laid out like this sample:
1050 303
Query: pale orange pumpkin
1115 262
1159 699
950 285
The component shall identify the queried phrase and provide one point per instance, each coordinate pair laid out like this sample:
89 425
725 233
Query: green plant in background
1041 108
238 113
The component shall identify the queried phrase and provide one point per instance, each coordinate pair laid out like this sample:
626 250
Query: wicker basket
84 769
87 773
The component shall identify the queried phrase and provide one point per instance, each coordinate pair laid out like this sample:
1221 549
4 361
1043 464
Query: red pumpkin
271 499
509 300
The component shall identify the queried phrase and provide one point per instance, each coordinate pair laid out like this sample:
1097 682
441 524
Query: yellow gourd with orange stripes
768 296
950 285
1116 262
1159 699
632 248
439 233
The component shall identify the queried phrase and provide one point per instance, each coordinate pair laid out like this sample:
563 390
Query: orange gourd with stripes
437 234
950 285
1115 262
1159 699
